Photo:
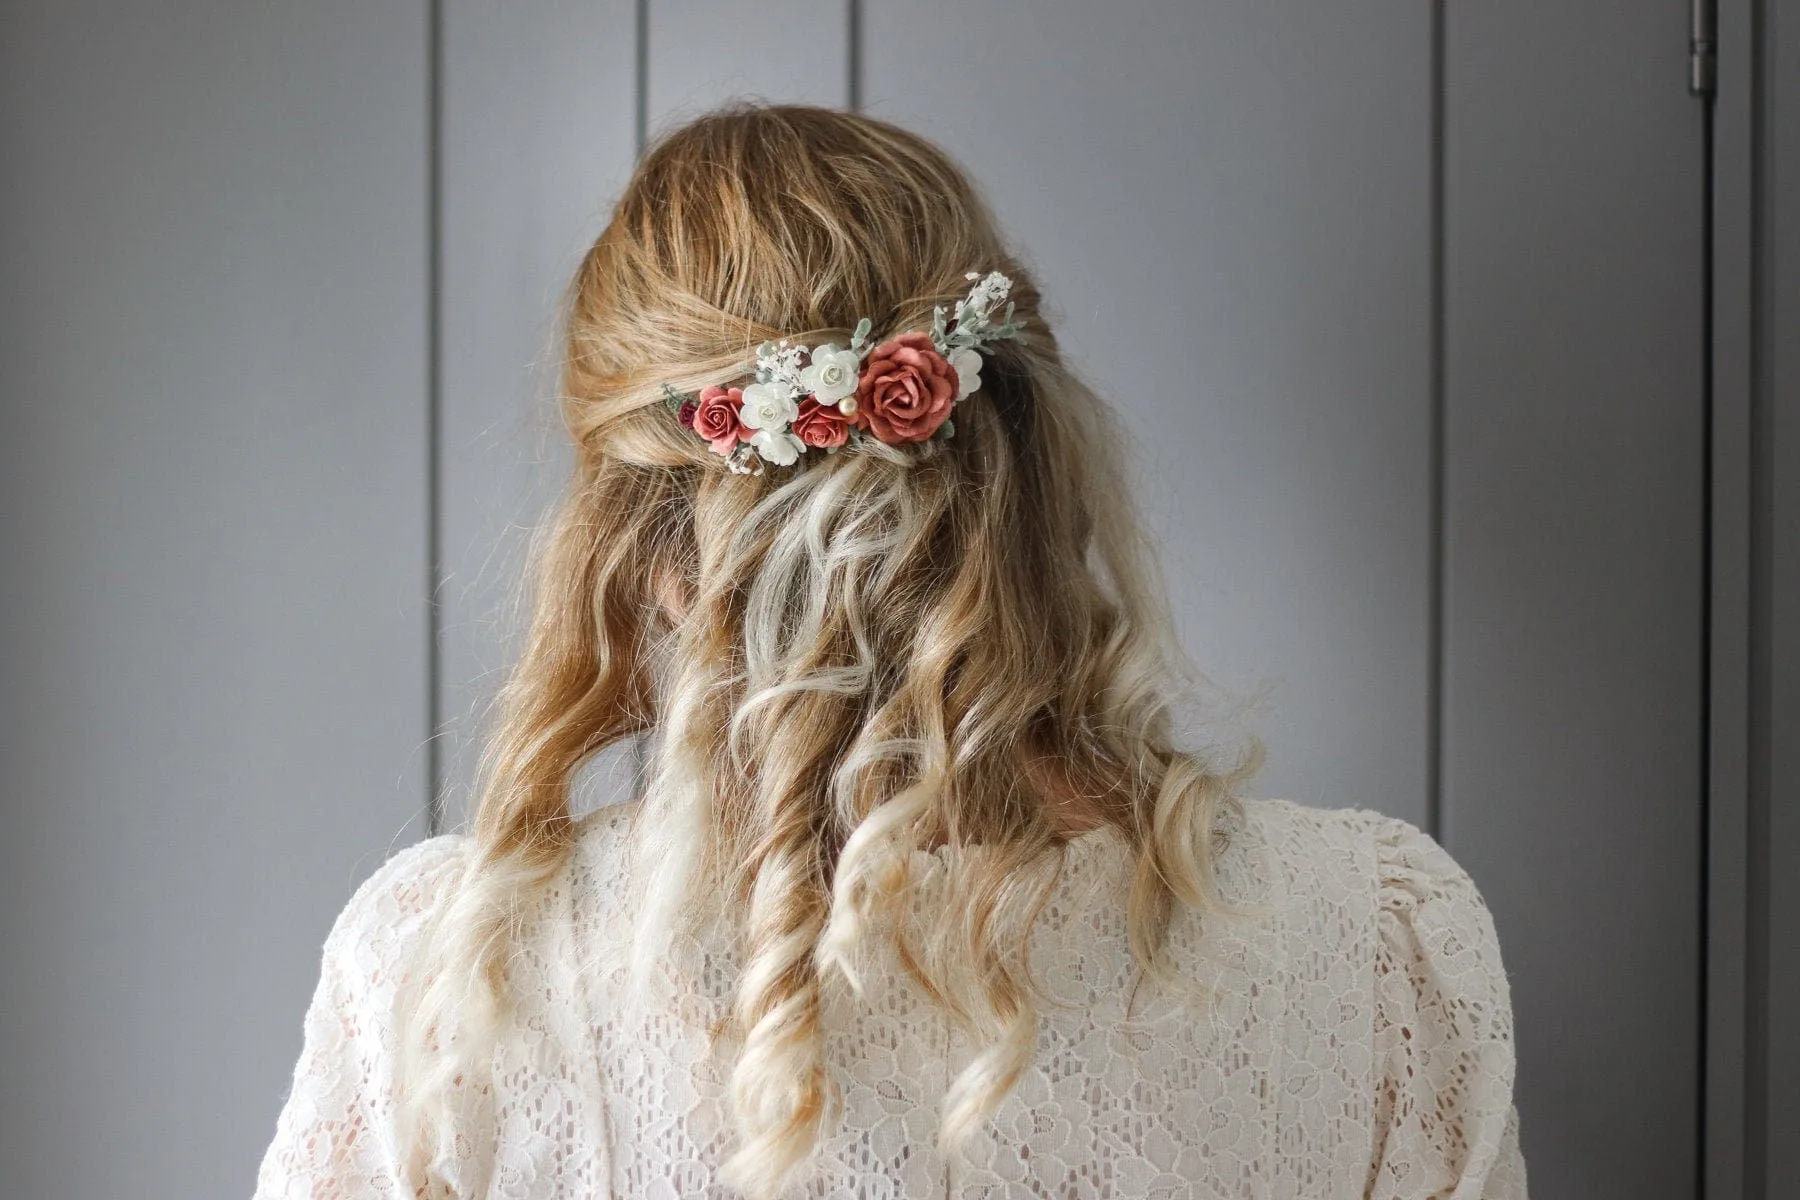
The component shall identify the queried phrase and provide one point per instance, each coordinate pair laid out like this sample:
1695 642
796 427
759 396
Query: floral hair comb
898 392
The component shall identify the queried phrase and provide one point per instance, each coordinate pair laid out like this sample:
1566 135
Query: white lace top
1359 1044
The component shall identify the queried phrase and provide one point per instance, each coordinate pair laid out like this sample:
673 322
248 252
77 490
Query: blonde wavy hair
881 650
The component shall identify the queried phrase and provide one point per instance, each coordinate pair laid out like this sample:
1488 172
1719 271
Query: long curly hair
880 650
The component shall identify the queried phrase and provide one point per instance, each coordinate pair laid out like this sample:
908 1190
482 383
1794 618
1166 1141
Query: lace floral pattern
1358 1043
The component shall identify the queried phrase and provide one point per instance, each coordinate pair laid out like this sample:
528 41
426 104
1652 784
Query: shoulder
395 906
601 859
605 832
337 1126
593 892
1379 879
395 909
1357 843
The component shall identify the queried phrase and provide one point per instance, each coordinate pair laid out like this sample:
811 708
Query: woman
920 897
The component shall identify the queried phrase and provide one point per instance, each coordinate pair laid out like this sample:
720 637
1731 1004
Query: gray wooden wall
214 648
1405 304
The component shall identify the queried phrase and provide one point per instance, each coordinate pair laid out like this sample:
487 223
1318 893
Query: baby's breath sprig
779 362
971 326
744 460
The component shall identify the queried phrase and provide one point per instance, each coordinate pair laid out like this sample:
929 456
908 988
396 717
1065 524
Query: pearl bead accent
847 406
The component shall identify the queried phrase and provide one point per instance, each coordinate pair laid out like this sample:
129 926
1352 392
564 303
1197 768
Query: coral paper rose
821 424
906 389
716 418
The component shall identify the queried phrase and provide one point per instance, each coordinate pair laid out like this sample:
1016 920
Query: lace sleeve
1445 1120
335 1137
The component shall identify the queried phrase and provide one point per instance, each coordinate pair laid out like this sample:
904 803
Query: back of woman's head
876 650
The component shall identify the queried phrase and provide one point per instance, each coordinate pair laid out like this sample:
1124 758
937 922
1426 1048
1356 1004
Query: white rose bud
768 406
831 374
777 446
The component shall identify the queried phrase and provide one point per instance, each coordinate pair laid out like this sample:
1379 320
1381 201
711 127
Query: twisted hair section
957 645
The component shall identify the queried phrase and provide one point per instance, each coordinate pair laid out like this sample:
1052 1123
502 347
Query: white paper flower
967 364
832 373
769 407
777 446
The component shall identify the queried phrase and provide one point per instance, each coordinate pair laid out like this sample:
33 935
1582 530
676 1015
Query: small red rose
716 418
906 389
821 424
685 414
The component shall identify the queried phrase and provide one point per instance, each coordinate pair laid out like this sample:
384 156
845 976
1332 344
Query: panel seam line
434 404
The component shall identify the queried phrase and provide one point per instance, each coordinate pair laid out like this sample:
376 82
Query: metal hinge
1703 47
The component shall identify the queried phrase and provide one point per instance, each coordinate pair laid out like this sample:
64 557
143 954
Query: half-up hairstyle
953 644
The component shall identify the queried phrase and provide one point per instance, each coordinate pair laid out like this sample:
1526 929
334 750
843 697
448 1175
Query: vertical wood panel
1574 570
214 654
539 104
705 52
1727 910
1229 206
1779 606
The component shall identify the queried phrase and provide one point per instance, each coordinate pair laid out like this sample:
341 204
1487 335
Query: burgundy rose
716 418
821 424
685 414
906 389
